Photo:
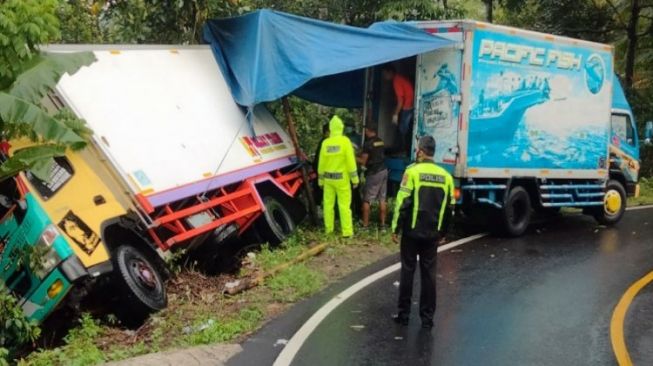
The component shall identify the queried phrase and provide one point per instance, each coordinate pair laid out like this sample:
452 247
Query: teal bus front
36 263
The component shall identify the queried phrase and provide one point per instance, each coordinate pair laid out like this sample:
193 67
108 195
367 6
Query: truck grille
18 279
19 283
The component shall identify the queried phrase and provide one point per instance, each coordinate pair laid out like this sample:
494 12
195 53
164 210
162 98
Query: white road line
292 347
635 208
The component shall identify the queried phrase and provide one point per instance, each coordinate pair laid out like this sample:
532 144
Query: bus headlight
55 289
47 257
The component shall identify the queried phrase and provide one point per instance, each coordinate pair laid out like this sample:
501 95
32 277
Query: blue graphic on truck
527 109
594 73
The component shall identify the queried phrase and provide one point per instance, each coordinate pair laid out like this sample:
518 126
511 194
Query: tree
364 12
489 10
141 21
633 26
26 75
419 10
80 21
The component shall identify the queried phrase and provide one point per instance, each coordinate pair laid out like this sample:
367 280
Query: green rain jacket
337 163
421 206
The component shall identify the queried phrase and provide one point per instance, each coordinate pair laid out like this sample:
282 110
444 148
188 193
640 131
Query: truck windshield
622 128
9 196
60 174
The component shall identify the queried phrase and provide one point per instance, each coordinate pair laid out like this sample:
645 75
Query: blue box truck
523 120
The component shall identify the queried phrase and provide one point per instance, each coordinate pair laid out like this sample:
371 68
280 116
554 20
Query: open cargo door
438 102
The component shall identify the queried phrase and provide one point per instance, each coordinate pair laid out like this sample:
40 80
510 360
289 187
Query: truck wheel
276 223
517 212
614 204
142 285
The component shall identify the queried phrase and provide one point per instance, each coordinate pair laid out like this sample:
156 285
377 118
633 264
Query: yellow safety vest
426 190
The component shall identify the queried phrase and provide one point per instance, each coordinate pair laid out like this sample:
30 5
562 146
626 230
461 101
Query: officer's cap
427 145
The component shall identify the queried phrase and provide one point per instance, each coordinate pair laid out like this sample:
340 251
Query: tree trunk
631 32
312 208
488 10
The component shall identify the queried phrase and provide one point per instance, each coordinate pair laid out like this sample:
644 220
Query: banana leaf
14 110
44 73
37 159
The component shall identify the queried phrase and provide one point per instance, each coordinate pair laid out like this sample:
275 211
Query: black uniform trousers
427 251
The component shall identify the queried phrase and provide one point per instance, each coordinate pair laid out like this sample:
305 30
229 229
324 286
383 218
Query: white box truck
172 162
523 120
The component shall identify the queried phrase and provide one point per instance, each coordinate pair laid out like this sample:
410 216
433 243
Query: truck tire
141 285
223 257
276 223
516 212
614 204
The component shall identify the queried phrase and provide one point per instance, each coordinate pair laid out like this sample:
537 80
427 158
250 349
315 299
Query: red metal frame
238 204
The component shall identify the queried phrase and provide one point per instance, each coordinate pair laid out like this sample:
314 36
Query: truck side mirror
648 133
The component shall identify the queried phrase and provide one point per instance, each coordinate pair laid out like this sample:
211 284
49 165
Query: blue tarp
266 55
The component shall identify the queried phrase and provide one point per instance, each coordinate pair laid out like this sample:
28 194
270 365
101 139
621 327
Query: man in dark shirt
325 135
316 160
376 175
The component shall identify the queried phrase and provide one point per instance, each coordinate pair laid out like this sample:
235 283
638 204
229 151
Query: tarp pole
302 159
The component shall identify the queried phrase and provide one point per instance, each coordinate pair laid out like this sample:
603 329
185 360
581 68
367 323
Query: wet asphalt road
544 299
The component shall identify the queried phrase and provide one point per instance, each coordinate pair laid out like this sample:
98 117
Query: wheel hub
144 274
612 202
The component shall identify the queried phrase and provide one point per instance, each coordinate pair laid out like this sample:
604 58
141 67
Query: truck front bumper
73 268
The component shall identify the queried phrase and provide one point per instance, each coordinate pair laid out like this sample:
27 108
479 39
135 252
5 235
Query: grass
207 330
80 348
295 283
645 193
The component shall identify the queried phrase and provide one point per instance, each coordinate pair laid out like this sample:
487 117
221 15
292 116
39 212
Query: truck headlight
48 258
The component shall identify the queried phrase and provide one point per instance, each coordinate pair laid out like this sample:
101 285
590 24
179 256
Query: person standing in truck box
403 112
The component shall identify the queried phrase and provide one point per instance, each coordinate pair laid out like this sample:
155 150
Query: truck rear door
438 102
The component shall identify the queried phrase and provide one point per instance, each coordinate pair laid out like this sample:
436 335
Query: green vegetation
295 283
223 330
14 328
81 344
80 348
645 194
26 76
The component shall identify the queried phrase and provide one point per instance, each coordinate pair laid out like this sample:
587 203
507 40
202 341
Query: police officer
421 208
336 173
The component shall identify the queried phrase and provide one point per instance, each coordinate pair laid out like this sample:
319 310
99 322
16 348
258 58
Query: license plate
200 219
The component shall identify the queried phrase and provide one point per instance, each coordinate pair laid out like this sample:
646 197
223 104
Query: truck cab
624 144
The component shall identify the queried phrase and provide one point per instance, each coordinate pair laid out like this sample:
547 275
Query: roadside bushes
15 329
647 161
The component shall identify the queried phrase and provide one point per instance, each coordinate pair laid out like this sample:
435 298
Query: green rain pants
343 195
